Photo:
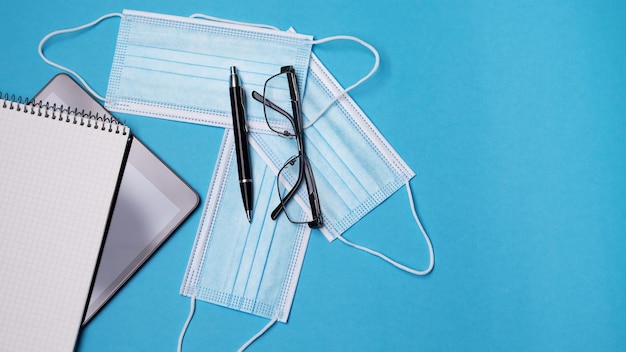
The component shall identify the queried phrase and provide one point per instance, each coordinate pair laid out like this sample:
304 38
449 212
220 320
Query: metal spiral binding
62 113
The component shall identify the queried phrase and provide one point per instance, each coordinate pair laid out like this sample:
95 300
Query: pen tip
249 214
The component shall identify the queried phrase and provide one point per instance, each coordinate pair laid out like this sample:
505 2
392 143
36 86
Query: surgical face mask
178 67
355 167
251 267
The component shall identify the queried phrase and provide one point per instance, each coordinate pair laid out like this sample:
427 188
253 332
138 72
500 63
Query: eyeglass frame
305 172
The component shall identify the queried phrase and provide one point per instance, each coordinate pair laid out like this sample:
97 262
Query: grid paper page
57 183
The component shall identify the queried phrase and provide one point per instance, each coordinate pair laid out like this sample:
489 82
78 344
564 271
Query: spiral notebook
59 174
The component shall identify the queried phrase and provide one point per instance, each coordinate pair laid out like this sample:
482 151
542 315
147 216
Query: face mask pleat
248 267
177 68
355 167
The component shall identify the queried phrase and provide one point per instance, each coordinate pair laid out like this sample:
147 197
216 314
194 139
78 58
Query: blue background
512 114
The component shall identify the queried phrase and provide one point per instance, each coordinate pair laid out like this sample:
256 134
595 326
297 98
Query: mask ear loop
363 79
70 30
393 262
258 334
192 309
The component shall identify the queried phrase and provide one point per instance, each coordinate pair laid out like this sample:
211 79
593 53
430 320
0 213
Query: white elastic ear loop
393 262
192 309
345 91
258 334
218 19
70 30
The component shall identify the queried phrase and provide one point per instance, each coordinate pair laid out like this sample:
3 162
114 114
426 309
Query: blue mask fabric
237 264
355 167
177 68
251 267
159 59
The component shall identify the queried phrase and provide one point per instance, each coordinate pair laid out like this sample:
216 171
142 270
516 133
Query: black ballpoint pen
241 141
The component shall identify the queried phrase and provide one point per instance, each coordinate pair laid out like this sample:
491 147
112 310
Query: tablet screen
151 203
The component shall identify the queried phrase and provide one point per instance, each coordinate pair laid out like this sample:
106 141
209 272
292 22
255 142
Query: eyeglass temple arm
261 99
314 201
296 100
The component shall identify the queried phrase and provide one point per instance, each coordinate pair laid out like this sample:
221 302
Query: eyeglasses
282 90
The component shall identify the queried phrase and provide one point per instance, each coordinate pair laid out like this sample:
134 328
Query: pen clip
242 98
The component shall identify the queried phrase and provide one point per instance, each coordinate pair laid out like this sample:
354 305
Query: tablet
151 203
